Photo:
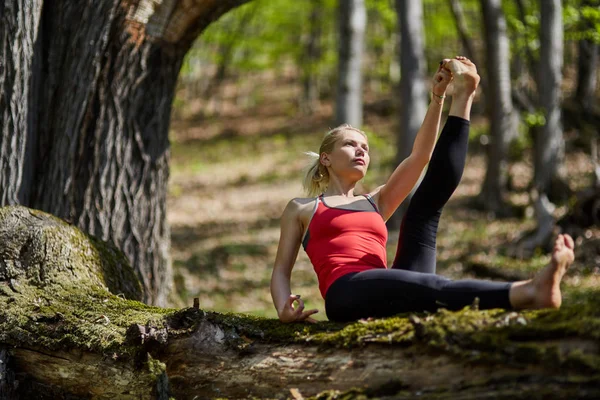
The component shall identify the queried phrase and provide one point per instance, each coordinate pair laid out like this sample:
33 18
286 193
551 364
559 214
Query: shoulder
296 215
299 208
299 205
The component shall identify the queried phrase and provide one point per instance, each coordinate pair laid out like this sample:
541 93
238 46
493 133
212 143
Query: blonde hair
316 179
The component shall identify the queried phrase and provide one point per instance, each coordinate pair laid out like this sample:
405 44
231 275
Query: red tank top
340 241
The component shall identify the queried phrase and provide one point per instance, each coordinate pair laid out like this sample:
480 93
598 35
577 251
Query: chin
359 175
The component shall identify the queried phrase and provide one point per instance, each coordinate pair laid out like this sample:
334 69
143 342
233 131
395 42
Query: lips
360 161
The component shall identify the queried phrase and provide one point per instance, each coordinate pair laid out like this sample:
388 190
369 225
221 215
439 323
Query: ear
325 159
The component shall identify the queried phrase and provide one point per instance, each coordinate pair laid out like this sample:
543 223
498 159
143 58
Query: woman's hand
289 313
441 79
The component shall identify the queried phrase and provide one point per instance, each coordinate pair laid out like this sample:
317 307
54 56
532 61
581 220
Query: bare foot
547 282
464 73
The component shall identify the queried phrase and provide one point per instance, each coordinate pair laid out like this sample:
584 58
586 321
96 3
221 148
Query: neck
338 187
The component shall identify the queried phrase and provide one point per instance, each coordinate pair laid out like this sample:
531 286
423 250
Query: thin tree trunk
310 59
461 26
549 150
500 107
352 20
86 115
227 52
413 89
549 142
587 75
587 69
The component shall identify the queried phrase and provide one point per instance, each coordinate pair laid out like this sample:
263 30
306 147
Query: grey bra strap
311 217
370 198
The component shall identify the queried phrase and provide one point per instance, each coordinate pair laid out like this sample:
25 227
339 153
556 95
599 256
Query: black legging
411 284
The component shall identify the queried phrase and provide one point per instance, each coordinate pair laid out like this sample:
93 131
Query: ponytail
316 178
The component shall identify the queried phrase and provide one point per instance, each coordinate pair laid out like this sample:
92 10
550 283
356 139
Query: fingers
296 313
443 75
293 299
443 64
292 312
306 316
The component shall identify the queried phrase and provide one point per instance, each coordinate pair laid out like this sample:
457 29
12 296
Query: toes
464 60
568 241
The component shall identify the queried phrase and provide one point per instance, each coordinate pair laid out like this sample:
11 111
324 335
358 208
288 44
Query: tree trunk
549 151
310 59
235 31
413 89
500 109
8 385
352 20
86 111
549 142
20 40
587 75
66 335
461 27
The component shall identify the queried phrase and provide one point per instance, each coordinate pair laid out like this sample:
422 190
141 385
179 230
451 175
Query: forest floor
233 171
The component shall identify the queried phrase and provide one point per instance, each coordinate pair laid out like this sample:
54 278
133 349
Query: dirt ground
236 163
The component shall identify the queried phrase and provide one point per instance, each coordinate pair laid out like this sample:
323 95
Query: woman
344 234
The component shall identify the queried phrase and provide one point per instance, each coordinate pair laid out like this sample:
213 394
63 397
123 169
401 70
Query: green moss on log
40 249
67 317
62 290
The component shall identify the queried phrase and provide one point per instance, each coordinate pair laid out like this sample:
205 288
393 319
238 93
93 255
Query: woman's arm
406 175
287 252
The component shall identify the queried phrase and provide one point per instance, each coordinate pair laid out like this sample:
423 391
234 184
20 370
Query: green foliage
534 119
441 35
273 35
582 20
523 28
261 35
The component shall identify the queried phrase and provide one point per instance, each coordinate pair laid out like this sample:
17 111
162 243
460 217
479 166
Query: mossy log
70 328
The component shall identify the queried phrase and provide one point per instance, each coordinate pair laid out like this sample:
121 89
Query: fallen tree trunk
70 328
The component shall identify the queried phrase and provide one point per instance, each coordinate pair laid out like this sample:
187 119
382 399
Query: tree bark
67 335
549 150
86 100
461 27
310 59
8 385
413 89
352 20
587 75
500 108
19 98
549 141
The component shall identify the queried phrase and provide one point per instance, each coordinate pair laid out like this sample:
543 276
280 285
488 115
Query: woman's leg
386 292
417 241
418 232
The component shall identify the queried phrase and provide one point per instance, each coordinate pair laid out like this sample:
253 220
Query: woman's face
350 155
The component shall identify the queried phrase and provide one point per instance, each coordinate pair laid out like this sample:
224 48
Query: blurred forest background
262 85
